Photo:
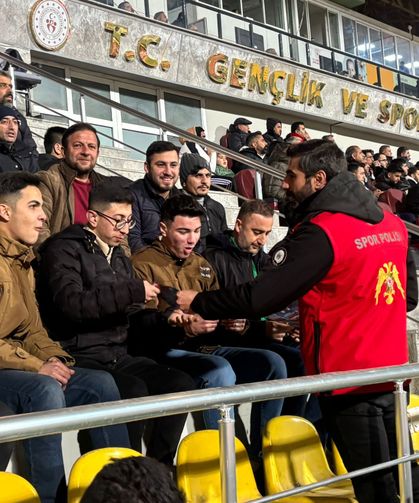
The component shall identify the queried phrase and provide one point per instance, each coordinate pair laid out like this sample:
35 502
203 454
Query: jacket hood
271 123
75 232
344 194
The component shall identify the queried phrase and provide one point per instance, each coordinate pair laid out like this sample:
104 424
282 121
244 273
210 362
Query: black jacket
236 138
304 256
146 210
84 300
12 159
251 154
212 223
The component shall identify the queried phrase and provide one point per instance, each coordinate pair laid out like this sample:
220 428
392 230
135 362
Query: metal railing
24 426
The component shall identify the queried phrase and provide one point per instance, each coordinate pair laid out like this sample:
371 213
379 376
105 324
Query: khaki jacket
157 264
58 195
24 343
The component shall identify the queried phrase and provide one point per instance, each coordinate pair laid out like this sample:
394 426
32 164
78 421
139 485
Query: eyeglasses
7 122
3 85
118 224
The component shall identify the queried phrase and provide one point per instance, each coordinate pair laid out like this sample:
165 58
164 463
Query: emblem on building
50 24
388 276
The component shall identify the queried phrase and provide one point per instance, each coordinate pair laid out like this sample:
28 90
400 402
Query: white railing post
82 102
227 455
403 443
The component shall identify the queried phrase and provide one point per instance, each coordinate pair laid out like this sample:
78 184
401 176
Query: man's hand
198 326
151 291
179 319
234 325
185 299
277 330
56 369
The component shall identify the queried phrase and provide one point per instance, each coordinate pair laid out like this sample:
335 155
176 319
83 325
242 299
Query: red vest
355 317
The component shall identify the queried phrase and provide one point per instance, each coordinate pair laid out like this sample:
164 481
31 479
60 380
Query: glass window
274 13
375 46
334 30
146 103
403 55
139 140
50 93
317 17
215 3
416 58
302 18
93 108
181 111
253 9
389 50
104 140
348 35
363 43
232 6
289 9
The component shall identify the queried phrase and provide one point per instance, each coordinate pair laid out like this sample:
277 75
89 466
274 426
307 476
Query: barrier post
403 444
227 455
82 108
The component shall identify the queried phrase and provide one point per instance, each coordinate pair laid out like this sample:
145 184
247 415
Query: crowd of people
112 289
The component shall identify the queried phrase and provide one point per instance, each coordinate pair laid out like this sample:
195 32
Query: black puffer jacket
84 300
213 222
13 160
250 153
146 212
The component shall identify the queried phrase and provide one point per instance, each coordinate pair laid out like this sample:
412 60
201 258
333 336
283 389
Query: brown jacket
24 343
58 195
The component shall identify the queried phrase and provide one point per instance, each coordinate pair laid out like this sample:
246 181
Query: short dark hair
354 165
368 151
395 165
383 147
401 150
157 147
75 128
181 204
316 155
11 183
135 479
350 151
104 194
252 136
4 73
296 125
255 206
413 169
52 136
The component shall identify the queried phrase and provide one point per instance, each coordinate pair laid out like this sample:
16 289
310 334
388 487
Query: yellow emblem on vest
388 275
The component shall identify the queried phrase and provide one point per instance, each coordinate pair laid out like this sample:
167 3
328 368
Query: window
302 19
93 108
253 9
404 59
232 6
146 103
363 43
50 93
274 13
389 50
375 46
416 59
139 140
182 111
348 35
334 30
318 24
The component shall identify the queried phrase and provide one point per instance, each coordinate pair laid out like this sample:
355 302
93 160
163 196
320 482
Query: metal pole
11 71
258 186
227 455
82 108
403 445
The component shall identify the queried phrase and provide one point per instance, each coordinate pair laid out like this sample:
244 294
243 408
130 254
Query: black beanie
190 164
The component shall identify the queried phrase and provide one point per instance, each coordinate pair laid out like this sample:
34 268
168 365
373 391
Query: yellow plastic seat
198 469
89 465
413 414
16 489
338 466
293 456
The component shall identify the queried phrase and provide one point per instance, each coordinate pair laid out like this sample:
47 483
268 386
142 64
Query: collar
15 250
104 247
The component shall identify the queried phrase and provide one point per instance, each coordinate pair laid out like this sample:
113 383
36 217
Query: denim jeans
227 366
31 392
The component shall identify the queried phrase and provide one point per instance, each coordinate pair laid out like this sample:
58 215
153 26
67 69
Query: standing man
195 177
88 297
161 174
340 262
25 144
36 374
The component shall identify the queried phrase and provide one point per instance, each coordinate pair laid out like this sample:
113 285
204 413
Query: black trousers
137 377
6 448
364 431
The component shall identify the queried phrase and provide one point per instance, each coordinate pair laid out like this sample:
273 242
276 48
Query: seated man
255 150
202 347
393 177
35 372
86 292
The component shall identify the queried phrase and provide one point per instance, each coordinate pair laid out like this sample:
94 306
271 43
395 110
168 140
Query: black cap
242 120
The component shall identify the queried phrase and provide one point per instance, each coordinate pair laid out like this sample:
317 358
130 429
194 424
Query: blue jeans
31 392
227 366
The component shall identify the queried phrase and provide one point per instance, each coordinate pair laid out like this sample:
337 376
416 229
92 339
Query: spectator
126 6
328 137
135 479
161 174
161 16
273 131
195 177
222 169
25 144
377 278
191 147
393 177
380 164
368 166
88 297
66 185
298 128
255 149
10 158
36 374
386 150
358 170
272 185
404 152
271 50
238 133
202 347
180 20
413 176
354 153
53 147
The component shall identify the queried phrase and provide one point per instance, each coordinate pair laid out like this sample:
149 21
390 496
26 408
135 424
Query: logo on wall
50 24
